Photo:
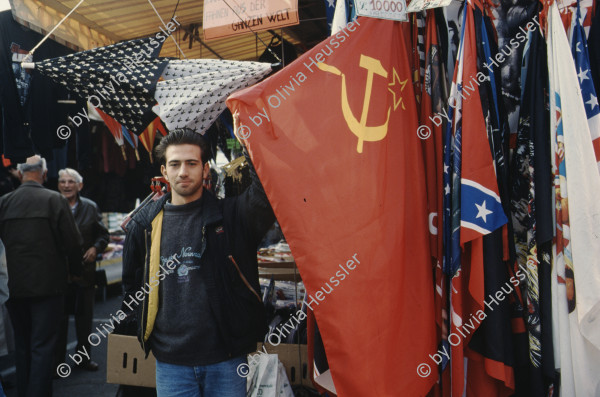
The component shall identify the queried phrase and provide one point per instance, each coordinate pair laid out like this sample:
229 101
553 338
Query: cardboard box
125 362
294 358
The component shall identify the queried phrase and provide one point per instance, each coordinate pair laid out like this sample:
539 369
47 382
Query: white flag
340 17
576 296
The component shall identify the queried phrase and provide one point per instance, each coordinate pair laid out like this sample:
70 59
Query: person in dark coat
190 274
80 294
43 247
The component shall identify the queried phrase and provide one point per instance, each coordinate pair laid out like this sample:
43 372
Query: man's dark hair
182 136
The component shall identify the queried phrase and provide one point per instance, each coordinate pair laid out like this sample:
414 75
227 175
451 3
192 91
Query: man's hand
236 121
90 255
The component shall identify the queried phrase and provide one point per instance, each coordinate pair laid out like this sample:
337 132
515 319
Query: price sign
382 9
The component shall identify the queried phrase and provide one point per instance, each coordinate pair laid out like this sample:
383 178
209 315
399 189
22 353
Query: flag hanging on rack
353 94
474 201
532 213
340 16
576 263
491 355
579 49
433 98
110 79
330 6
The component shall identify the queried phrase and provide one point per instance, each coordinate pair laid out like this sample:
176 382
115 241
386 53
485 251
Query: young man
80 295
190 272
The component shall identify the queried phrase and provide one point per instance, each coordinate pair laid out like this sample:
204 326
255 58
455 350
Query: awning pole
163 22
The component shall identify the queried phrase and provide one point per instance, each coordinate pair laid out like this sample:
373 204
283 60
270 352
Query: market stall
434 169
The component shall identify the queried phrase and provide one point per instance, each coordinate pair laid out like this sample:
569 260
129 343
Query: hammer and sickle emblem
360 128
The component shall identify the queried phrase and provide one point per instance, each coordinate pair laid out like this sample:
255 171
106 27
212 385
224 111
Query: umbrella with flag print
108 78
123 80
193 92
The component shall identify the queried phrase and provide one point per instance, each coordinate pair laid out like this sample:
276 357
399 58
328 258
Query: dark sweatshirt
185 331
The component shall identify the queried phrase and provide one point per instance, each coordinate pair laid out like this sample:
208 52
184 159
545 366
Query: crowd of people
50 244
206 313
202 311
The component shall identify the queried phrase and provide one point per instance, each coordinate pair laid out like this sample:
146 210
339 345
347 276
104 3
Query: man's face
185 172
68 187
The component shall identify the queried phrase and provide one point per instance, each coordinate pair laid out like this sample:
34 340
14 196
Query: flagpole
29 57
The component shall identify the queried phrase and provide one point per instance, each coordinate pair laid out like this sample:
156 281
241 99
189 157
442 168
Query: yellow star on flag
397 83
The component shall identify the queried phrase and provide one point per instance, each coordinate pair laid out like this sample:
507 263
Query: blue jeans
214 380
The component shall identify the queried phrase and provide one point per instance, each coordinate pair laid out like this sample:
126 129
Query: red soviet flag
333 138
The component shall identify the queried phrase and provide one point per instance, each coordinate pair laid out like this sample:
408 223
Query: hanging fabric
576 259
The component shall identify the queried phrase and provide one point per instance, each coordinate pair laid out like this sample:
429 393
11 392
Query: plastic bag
267 377
283 384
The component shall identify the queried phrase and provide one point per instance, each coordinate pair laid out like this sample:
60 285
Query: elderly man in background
80 293
43 246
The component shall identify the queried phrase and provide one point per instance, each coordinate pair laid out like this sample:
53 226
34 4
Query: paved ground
79 383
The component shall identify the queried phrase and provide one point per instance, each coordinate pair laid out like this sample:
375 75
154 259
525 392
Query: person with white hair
80 293
43 246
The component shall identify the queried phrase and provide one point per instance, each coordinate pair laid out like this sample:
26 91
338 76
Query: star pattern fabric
593 102
329 11
579 50
193 92
120 79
